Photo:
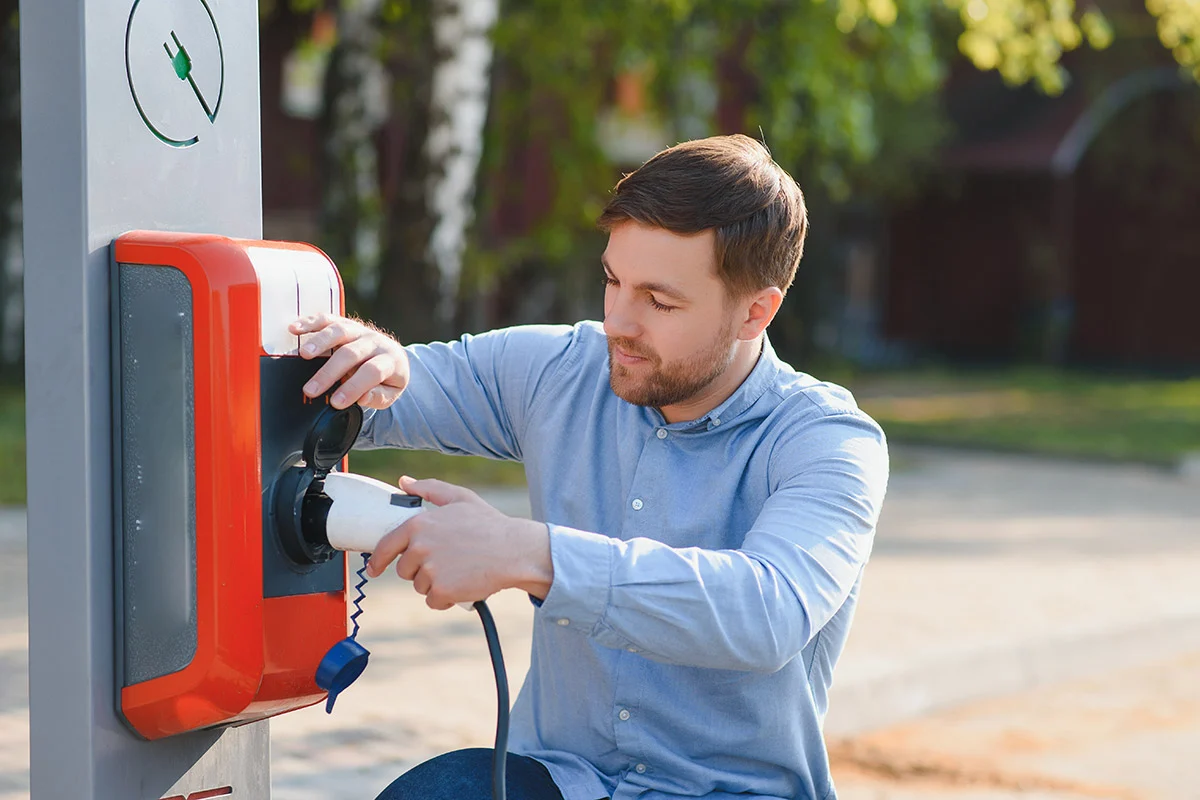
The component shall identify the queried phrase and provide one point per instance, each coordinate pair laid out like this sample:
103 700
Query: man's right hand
372 366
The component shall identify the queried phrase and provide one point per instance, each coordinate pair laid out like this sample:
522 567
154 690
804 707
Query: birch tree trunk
458 111
355 106
11 260
441 56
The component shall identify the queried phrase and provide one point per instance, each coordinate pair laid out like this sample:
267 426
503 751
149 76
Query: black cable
500 752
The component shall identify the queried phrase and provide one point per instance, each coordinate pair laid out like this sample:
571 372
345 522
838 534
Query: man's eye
609 281
660 306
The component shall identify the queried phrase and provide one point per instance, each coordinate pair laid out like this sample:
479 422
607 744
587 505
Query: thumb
437 492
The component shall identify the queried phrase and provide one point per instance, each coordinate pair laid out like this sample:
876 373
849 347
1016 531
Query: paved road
1130 734
993 575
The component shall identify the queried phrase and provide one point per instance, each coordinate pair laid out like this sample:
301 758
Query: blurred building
1062 229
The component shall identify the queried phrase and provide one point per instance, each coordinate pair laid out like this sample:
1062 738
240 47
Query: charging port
300 503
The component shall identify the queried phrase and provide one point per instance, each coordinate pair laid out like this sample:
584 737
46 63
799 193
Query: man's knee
467 775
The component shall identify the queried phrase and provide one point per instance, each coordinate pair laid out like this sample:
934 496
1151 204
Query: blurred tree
11 263
459 95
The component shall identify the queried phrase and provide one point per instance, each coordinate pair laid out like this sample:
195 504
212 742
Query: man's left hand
463 550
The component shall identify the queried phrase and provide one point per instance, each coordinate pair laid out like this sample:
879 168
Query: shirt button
640 768
662 433
716 420
564 621
632 649
624 715
637 504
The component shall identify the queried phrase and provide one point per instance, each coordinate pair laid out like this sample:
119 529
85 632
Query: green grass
1037 411
12 446
472 471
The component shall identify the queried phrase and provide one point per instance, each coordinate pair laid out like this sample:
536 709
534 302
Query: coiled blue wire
361 595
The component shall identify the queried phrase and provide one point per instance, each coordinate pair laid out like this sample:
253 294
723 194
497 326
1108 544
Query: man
704 512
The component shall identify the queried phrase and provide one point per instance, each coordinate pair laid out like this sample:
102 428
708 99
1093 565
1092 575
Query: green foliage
843 82
842 91
834 85
1024 39
1179 30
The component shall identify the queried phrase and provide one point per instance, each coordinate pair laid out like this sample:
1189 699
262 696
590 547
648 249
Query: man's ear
760 308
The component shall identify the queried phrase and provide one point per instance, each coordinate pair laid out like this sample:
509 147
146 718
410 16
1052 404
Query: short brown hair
731 185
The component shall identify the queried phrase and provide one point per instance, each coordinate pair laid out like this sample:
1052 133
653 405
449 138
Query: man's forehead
656 254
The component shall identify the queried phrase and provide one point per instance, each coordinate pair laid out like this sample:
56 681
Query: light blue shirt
705 572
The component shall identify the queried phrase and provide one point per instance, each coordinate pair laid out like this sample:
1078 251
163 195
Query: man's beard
671 384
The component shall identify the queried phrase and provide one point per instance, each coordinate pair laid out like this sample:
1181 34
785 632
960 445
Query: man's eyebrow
652 286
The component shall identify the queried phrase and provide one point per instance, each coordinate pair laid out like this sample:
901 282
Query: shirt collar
746 395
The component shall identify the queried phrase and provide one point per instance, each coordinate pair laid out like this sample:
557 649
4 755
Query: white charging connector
364 510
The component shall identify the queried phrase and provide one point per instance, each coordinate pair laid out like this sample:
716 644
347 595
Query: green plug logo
181 61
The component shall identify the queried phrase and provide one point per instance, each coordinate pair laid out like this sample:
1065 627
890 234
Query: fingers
390 546
325 332
312 323
371 366
437 492
343 361
410 563
423 584
370 373
438 603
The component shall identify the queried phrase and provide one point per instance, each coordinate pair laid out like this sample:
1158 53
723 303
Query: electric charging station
144 115
222 615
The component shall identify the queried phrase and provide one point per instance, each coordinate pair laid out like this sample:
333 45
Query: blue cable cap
341 667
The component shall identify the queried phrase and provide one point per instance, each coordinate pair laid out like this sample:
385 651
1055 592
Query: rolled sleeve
582 588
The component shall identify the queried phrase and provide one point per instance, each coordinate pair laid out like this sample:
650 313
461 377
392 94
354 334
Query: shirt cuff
582 586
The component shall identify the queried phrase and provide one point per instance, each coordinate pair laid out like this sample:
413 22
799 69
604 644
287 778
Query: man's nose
619 322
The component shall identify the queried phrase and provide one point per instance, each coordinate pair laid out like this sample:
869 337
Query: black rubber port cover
332 436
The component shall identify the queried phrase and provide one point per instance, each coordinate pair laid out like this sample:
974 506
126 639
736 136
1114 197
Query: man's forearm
532 569
723 609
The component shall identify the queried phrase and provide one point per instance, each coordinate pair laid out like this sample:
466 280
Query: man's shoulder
542 348
804 395
552 339
809 415
550 357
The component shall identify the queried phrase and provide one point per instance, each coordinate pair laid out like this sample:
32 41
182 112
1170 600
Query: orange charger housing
214 624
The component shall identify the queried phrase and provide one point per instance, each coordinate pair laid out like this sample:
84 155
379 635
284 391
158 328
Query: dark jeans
467 775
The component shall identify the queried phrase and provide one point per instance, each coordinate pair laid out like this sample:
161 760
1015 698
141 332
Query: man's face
670 327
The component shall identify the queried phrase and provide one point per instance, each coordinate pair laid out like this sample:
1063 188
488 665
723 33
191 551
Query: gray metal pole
115 140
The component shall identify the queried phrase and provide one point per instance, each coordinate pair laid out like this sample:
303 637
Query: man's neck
745 357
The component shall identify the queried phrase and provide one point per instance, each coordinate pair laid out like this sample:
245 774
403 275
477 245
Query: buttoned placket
640 509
